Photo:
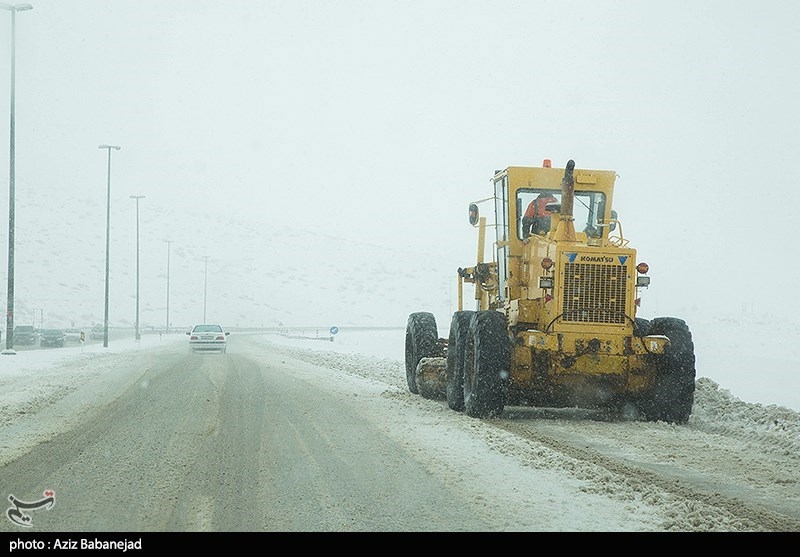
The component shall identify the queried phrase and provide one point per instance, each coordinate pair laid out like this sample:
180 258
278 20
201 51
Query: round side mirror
473 214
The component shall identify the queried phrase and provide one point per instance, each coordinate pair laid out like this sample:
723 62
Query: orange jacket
536 208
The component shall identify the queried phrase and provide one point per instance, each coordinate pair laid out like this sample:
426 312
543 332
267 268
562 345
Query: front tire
421 339
456 354
487 364
641 327
672 395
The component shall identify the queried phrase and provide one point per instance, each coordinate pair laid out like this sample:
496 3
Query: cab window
535 208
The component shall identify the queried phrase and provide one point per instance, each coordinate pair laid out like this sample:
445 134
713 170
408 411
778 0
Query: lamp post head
109 147
15 8
136 196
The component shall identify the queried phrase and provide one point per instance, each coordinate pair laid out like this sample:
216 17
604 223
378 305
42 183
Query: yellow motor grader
554 323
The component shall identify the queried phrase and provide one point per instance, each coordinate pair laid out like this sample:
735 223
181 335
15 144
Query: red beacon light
643 267
547 263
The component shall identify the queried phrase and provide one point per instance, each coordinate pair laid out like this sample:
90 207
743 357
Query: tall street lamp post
169 243
108 229
10 311
137 198
205 289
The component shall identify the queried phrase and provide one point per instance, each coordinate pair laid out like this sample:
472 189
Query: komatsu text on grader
554 323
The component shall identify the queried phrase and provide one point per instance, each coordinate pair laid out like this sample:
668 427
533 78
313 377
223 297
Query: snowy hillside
259 273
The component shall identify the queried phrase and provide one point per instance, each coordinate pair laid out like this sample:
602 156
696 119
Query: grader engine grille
594 293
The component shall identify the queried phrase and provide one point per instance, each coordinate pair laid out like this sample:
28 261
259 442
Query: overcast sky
382 120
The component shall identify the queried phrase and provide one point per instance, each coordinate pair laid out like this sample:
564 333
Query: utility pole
205 289
108 242
137 198
11 176
169 243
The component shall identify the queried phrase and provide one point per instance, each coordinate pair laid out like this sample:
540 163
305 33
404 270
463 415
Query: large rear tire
486 365
456 350
672 395
421 342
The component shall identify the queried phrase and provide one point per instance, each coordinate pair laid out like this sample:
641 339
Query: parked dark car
52 337
25 335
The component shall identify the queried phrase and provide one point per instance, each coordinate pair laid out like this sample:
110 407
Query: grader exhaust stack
565 230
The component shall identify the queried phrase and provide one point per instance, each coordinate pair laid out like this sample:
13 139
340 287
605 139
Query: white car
208 337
